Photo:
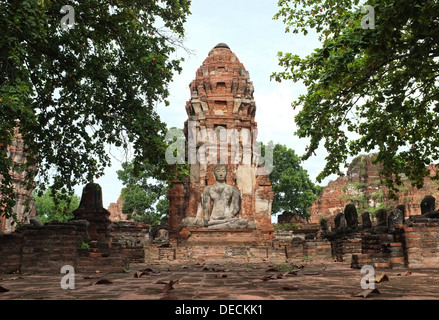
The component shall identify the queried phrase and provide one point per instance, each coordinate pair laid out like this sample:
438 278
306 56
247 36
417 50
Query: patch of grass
84 246
286 226
286 267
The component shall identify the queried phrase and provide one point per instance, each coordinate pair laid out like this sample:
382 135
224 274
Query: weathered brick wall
414 244
232 237
46 249
11 247
344 248
380 250
422 243
318 249
214 252
285 236
299 247
385 250
50 247
397 255
374 243
43 249
131 239
177 208
296 248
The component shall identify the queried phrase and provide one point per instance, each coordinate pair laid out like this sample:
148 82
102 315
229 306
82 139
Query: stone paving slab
225 280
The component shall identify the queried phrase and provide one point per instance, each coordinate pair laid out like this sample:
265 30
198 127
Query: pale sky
247 27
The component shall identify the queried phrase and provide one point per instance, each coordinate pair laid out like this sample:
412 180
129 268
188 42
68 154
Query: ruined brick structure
89 242
115 209
362 186
24 208
222 101
221 126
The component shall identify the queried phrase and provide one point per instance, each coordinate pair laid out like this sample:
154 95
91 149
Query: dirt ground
226 280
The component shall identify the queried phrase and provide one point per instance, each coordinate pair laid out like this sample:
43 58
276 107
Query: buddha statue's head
220 172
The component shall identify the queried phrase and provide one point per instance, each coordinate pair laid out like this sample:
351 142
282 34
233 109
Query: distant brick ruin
362 186
115 209
24 208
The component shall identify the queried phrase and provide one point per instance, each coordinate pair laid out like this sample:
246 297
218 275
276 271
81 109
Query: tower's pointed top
222 45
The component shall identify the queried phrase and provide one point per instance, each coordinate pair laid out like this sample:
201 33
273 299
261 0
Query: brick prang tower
221 125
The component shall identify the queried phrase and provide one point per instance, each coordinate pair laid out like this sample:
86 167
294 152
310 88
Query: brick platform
200 236
215 253
422 242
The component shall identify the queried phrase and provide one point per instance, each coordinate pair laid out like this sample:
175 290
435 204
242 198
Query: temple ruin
222 211
221 129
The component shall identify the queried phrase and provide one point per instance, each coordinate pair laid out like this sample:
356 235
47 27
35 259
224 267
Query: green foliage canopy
293 189
368 89
144 198
48 211
74 93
